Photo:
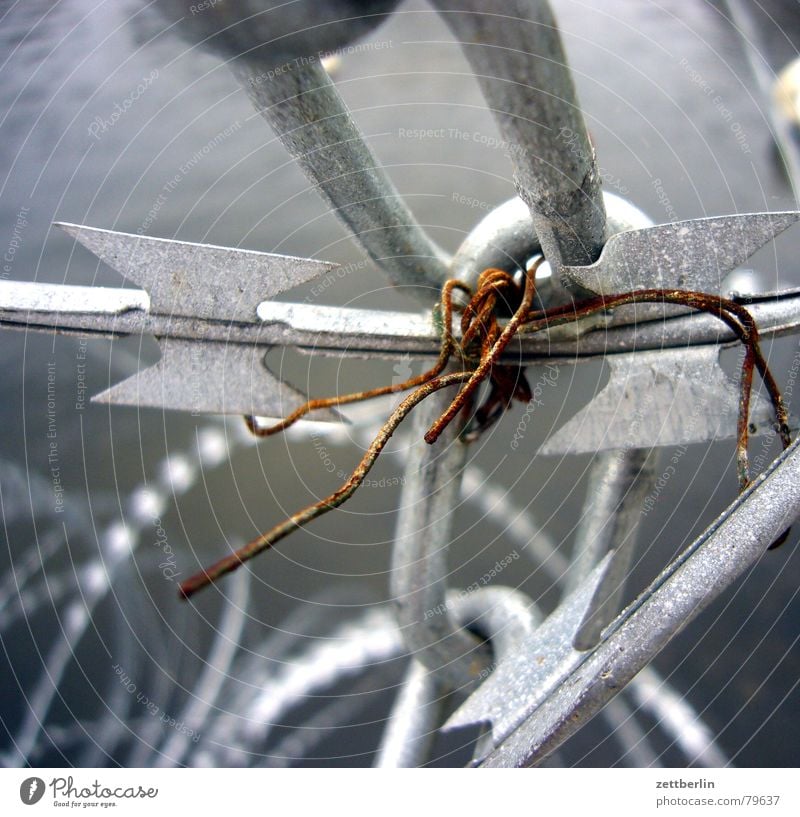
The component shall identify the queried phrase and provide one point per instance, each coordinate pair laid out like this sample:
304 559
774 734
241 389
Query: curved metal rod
502 616
413 721
419 555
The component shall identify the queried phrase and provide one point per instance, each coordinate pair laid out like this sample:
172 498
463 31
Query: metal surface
198 280
275 31
55 299
314 125
694 255
419 554
501 615
413 721
234 309
208 311
424 530
619 481
113 312
506 237
609 522
505 617
219 378
349 321
172 271
655 695
518 59
671 397
688 585
528 673
276 56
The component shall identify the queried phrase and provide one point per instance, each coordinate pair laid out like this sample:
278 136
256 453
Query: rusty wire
479 350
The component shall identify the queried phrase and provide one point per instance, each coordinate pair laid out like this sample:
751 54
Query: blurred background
294 661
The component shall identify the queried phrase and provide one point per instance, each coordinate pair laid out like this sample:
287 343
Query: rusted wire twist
493 344
447 350
482 344
426 384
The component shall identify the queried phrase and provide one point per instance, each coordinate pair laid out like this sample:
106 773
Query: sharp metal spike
691 582
659 398
536 665
695 254
198 280
210 378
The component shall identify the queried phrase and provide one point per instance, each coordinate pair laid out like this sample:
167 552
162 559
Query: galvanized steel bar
275 51
312 121
518 59
104 311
